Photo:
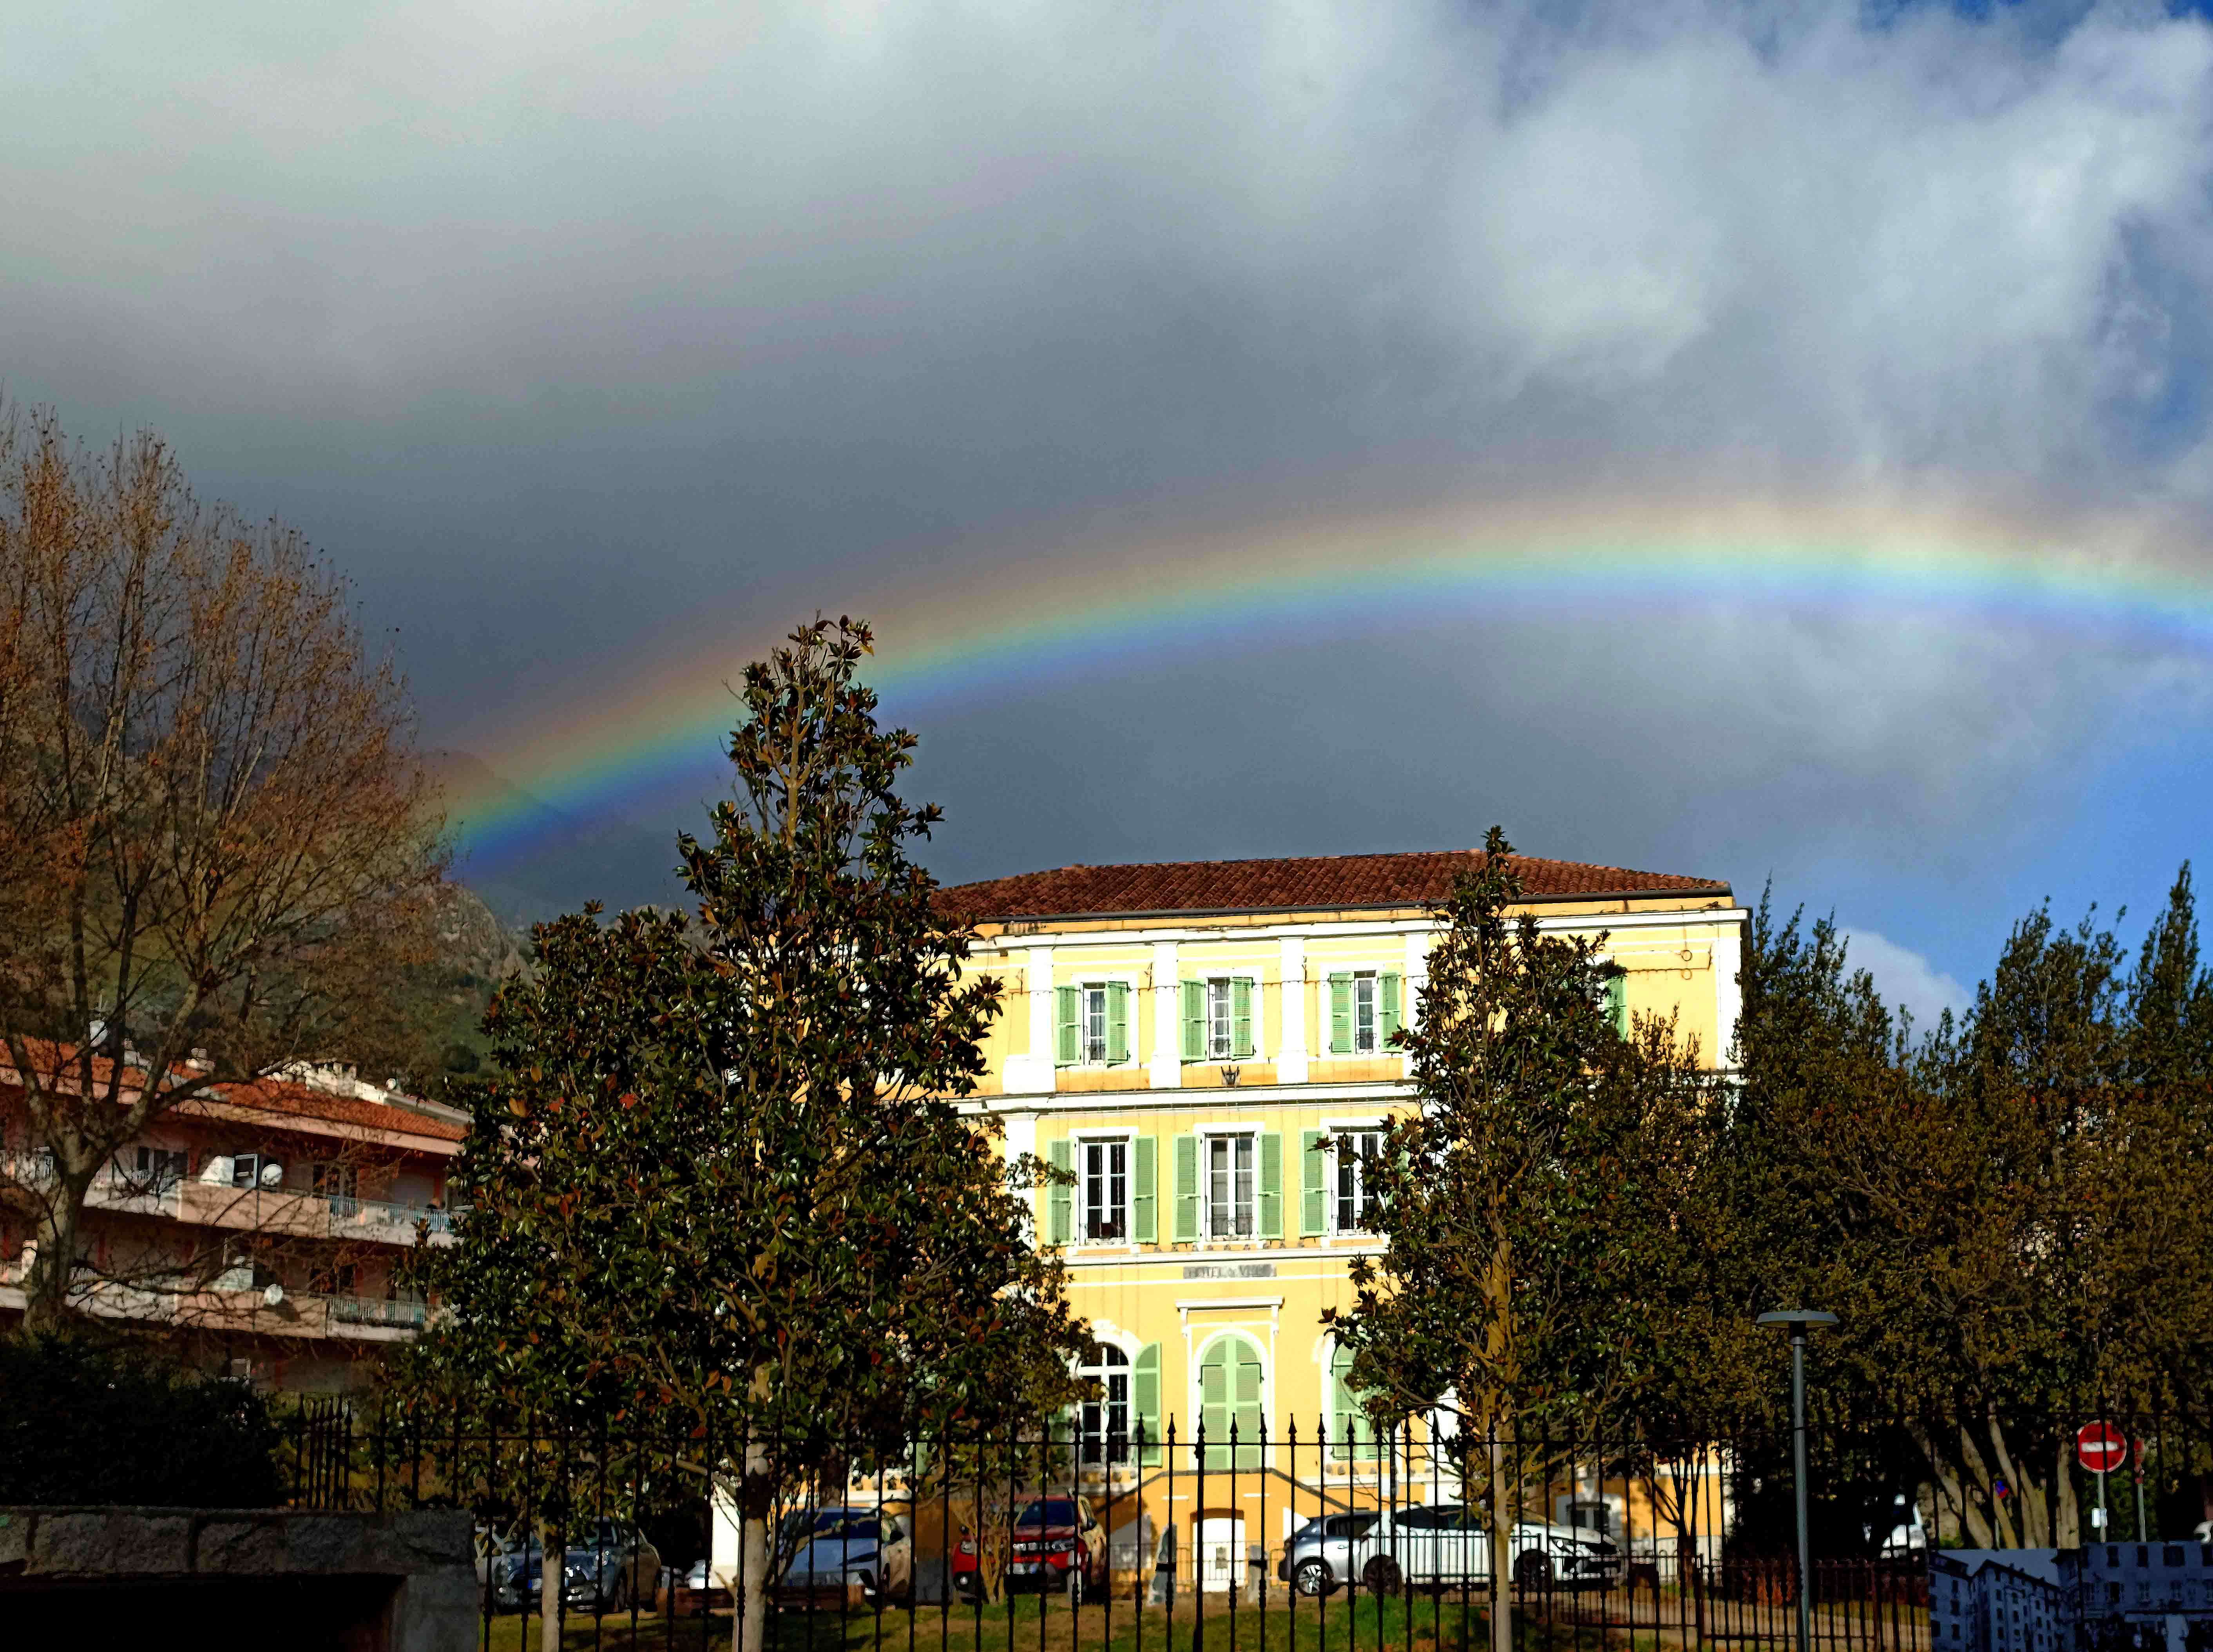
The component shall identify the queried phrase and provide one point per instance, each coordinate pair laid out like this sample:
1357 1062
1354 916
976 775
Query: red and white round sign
2101 1447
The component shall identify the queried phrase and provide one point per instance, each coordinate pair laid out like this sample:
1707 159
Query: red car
1057 1543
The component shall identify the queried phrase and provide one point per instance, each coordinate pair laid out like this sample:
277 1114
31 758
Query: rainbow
990 630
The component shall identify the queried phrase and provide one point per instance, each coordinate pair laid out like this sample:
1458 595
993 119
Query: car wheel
1532 1574
1314 1577
1382 1575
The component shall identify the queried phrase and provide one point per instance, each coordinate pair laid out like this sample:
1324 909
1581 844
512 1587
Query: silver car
1318 1558
1445 1547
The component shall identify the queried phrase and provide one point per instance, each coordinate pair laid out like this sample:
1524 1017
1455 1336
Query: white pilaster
1021 1140
1418 972
1291 1059
1168 1019
1033 1074
1728 995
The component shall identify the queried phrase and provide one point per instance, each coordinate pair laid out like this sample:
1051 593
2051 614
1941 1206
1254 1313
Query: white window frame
1373 969
1221 1018
1102 1408
1340 1163
1250 1135
1082 1142
1223 1054
253 1179
158 1169
1088 995
1085 985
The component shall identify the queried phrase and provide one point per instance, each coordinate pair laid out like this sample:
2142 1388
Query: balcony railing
368 1310
400 1219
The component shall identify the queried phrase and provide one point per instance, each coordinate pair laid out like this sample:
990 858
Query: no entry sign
2101 1447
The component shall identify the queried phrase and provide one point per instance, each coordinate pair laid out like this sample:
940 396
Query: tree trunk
756 1552
2067 1515
1503 1519
61 1218
550 1569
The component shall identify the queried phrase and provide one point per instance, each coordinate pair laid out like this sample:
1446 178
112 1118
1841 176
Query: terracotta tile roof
273 1095
301 1102
1333 883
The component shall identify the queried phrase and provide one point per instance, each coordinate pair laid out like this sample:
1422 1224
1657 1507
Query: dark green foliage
721 1177
1541 1251
2008 1213
86 1423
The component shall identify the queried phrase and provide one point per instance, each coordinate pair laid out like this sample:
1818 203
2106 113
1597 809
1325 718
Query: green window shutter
1388 1019
1062 1156
1145 1399
1214 1402
1617 1001
1340 1014
1117 1021
1241 1017
1230 1397
1064 1004
1145 1207
1313 1182
1194 1020
1271 1184
1186 1173
1349 1428
1247 1397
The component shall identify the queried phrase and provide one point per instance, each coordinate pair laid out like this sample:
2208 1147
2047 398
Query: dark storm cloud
584 334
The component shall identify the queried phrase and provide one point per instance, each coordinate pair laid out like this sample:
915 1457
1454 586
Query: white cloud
602 324
1906 980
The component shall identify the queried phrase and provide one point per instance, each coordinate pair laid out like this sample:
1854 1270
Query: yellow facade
1206 1234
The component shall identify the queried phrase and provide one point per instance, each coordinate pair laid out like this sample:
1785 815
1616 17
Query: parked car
604 1571
490 1547
696 1592
1318 1558
850 1548
1445 1547
1057 1543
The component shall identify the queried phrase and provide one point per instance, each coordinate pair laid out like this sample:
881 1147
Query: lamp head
1797 1318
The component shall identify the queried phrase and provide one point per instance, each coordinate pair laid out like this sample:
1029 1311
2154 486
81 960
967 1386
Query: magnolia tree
1532 1207
723 1178
219 854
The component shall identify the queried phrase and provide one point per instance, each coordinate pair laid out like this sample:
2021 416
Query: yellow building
1193 1041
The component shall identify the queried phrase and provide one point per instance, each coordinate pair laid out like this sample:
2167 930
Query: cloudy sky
593 340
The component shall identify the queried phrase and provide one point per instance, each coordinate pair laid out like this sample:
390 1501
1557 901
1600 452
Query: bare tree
218 852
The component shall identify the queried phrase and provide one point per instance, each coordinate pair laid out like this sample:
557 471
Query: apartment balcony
296 1315
308 1214
289 1212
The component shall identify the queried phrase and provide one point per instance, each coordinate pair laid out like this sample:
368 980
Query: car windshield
1050 1511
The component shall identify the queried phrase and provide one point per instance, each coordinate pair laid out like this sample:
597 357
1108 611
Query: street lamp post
1799 1321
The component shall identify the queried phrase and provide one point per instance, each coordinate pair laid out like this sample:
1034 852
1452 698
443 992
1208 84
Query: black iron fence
1234 1536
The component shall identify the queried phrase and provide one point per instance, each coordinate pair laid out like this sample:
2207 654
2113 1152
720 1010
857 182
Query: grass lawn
1367 1625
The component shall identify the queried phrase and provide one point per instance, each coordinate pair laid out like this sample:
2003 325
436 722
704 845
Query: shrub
87 1422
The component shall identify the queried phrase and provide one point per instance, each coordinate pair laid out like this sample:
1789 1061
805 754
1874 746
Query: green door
1230 1397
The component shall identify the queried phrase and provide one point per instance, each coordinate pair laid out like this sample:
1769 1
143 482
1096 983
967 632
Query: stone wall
274 1577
